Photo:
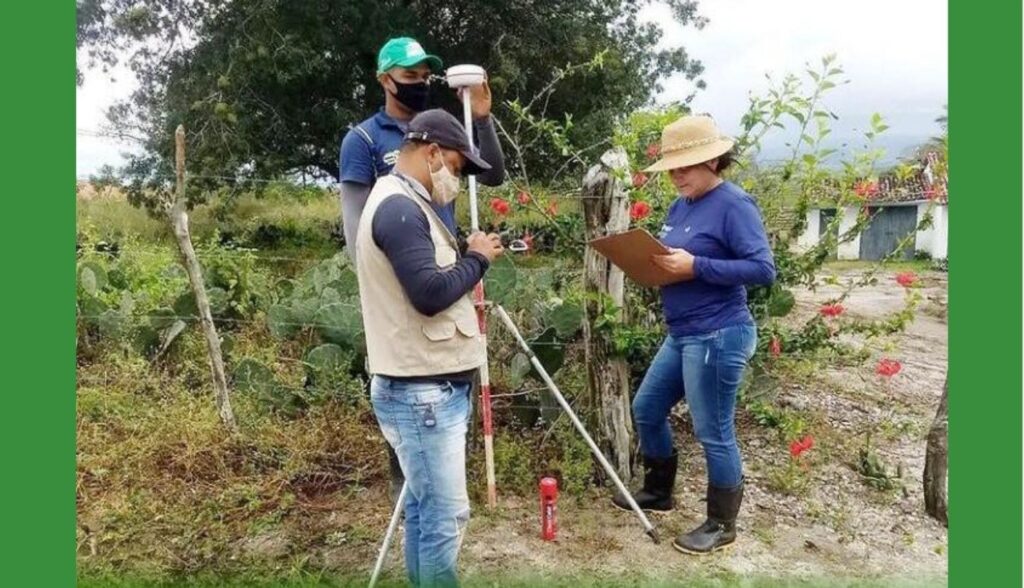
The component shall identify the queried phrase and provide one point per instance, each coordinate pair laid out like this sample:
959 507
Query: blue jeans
426 424
707 370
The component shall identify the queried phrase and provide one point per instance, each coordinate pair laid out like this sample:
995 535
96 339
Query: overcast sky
894 52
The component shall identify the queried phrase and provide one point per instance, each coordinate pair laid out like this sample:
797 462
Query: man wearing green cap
370 149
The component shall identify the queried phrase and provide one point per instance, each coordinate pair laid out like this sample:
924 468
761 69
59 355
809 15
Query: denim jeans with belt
426 423
706 370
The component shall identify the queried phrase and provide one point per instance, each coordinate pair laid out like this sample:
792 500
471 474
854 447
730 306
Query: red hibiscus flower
888 368
653 150
639 179
866 189
832 310
639 211
523 197
906 279
797 448
500 206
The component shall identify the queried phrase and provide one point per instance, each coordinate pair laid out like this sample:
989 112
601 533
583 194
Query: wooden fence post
606 211
179 224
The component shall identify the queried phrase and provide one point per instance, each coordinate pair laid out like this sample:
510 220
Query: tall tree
268 87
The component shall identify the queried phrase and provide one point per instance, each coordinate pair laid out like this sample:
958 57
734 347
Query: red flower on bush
832 310
653 150
639 211
500 206
906 279
552 209
523 197
866 189
775 347
639 179
935 192
797 448
888 368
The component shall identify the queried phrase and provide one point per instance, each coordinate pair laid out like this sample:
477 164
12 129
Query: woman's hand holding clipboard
632 252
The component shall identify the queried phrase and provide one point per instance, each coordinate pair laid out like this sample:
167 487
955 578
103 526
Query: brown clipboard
631 252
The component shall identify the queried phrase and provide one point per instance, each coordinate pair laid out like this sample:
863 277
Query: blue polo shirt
370 150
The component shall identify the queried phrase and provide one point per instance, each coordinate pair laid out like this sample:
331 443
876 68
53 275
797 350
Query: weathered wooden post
178 216
936 462
606 211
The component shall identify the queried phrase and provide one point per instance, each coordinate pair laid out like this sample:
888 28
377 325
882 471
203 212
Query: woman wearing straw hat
718 248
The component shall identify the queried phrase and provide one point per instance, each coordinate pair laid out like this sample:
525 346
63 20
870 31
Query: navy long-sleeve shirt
723 230
402 231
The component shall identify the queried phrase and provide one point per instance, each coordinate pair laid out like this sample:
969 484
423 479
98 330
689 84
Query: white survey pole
594 449
392 525
465 77
474 211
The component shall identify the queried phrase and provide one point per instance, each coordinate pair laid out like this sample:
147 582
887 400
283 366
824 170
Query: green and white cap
405 52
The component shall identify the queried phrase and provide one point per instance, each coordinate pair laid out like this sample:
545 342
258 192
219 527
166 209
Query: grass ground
167 498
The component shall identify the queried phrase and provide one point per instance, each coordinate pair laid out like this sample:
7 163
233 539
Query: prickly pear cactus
326 365
549 350
282 321
92 277
341 323
565 317
501 280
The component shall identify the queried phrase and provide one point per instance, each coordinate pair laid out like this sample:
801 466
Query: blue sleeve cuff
698 267
484 262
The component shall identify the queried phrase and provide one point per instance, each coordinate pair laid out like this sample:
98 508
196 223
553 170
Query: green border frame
37 151
38 521
985 294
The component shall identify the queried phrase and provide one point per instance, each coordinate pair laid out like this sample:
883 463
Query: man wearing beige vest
422 336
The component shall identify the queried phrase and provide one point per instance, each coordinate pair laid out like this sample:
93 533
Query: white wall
935 239
809 238
850 249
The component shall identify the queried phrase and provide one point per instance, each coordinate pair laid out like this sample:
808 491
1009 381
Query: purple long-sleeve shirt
724 231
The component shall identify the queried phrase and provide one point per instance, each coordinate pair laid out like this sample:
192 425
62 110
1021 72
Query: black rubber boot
397 477
659 480
719 530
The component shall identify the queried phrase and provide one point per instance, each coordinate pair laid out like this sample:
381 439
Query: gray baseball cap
438 126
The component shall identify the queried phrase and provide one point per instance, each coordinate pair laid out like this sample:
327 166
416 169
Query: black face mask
413 96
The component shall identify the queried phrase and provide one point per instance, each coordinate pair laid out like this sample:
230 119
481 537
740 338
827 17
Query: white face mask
446 185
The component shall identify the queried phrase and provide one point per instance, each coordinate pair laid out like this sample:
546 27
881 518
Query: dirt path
837 528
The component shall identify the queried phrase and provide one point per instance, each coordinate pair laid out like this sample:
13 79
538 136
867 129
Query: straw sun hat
689 141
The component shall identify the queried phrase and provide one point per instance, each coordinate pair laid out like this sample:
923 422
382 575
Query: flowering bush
906 279
832 310
500 207
888 368
639 211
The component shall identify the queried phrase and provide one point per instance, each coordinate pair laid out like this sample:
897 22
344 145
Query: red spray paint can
548 508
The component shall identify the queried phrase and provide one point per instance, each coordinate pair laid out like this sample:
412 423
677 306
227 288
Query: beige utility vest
400 341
